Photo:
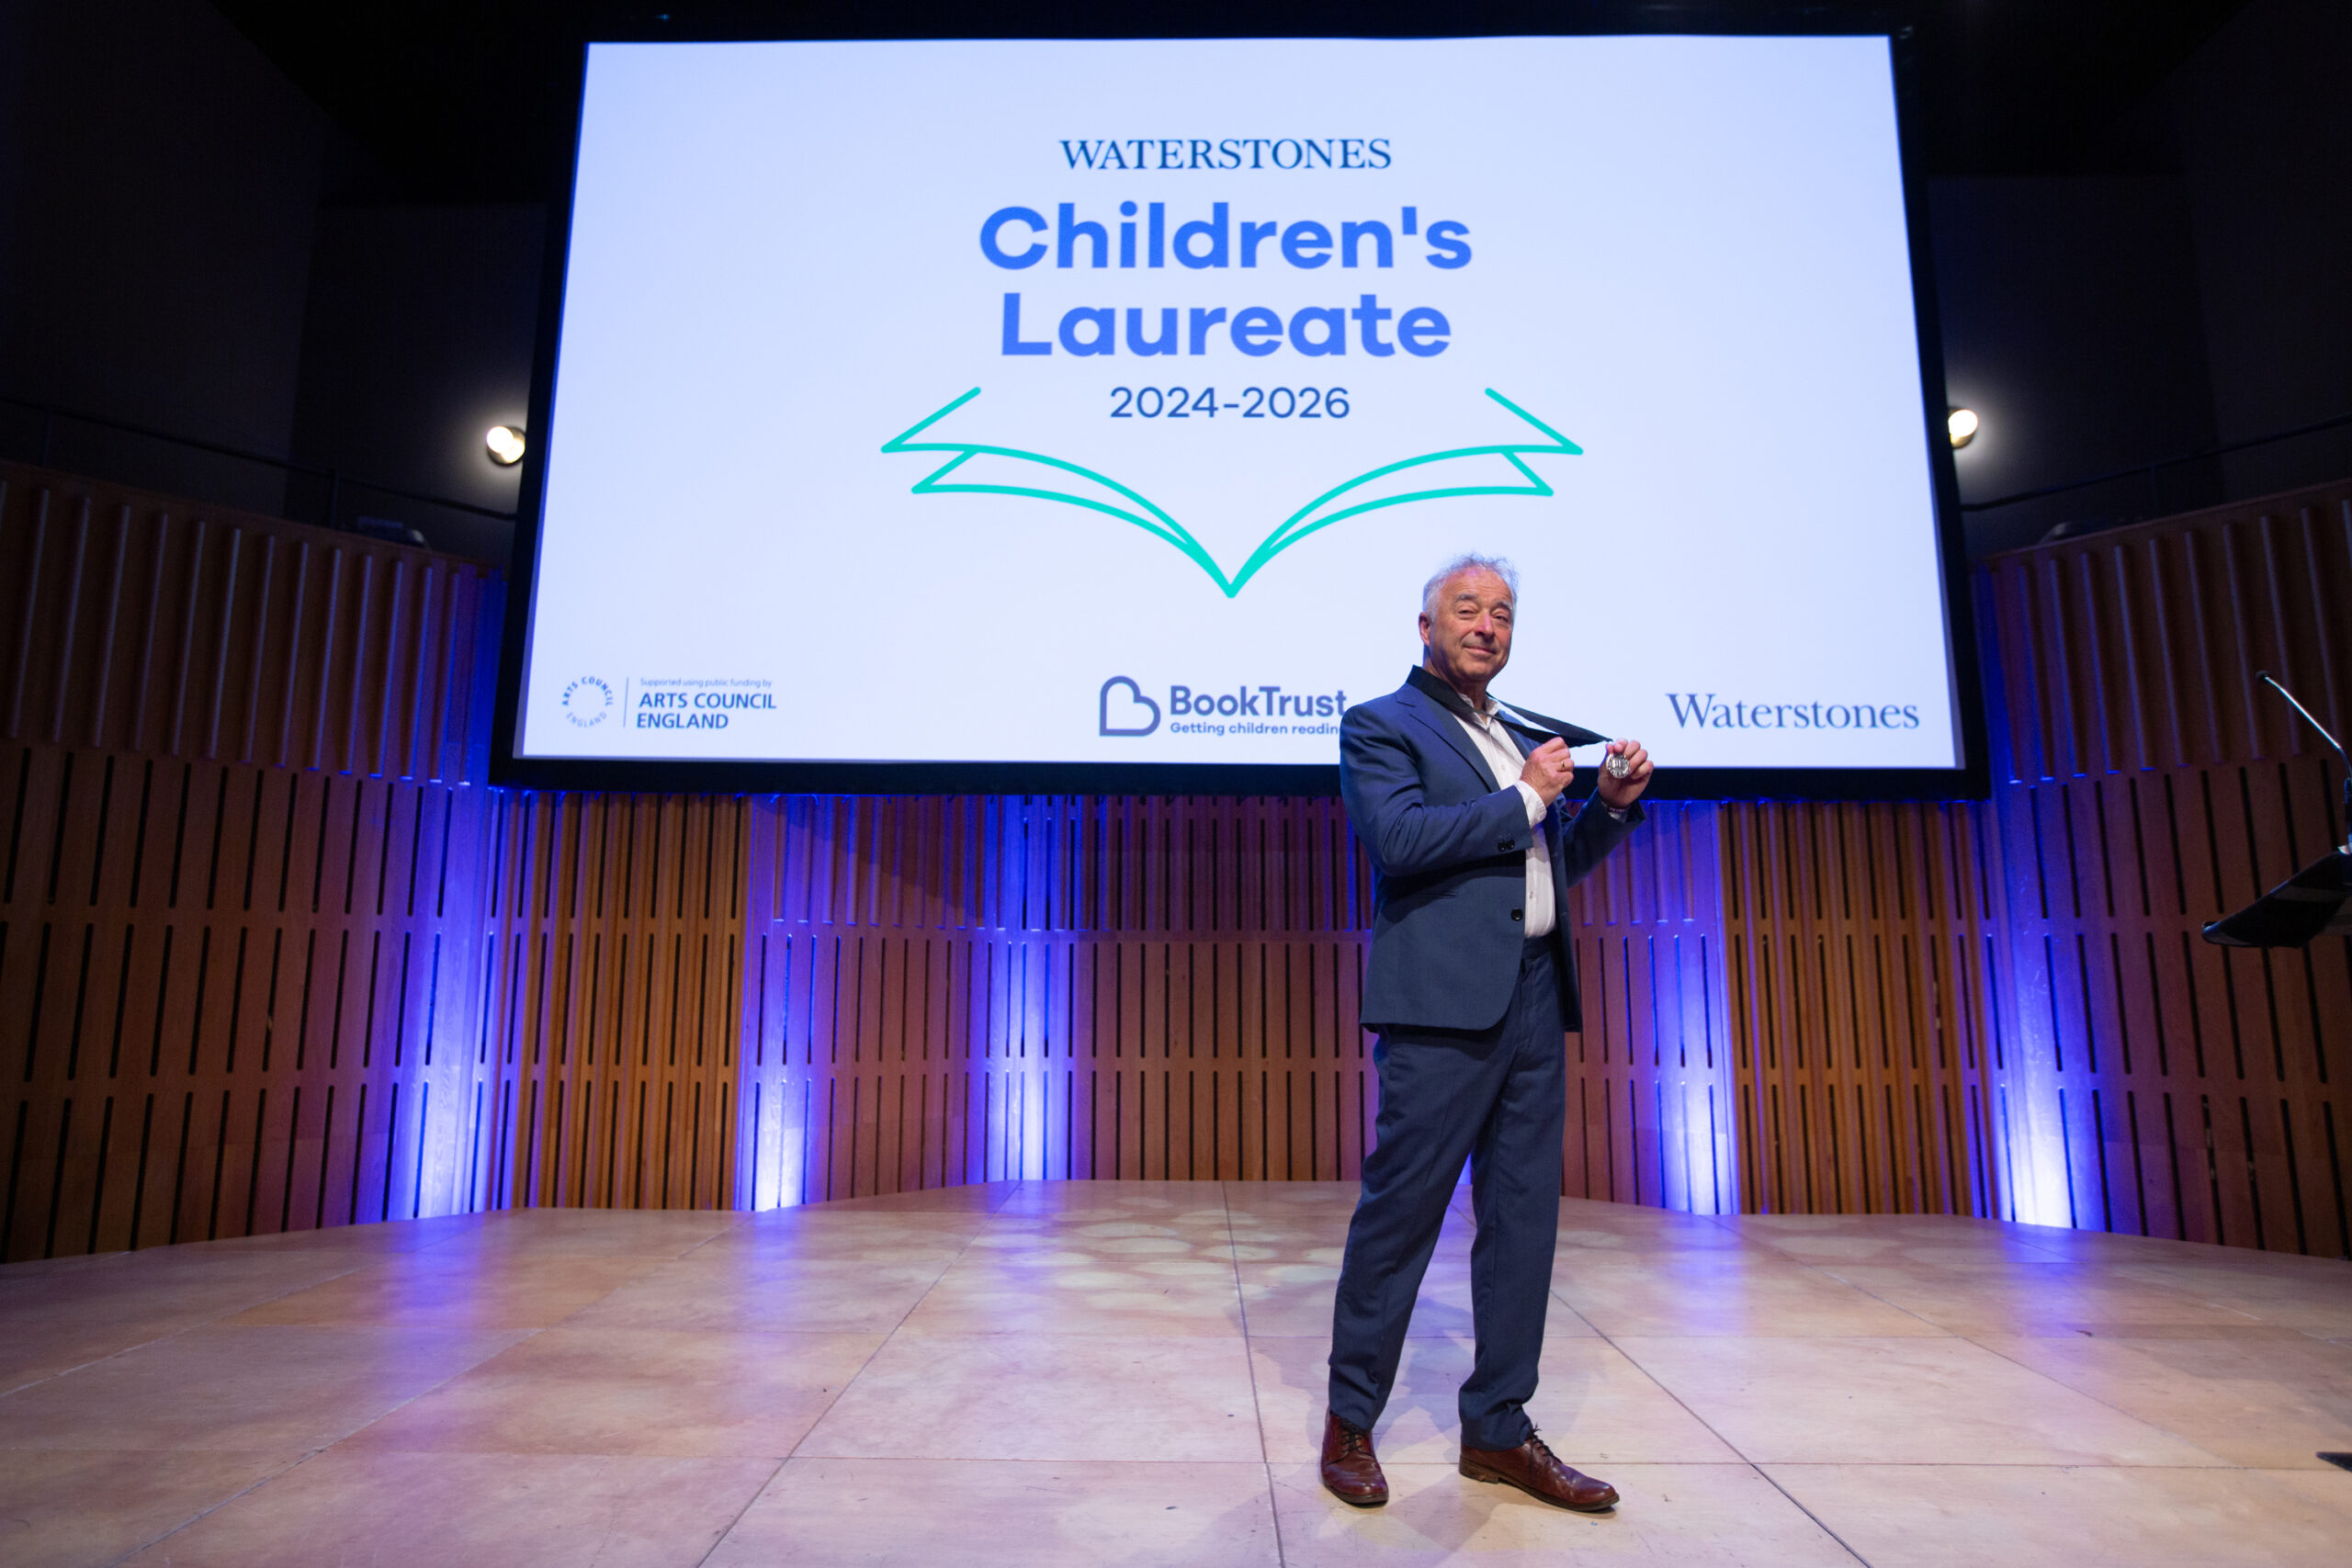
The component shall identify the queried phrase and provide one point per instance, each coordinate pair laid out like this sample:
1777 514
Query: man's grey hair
1501 565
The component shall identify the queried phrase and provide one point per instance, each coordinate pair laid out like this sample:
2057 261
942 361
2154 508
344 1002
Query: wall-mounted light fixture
1961 422
505 444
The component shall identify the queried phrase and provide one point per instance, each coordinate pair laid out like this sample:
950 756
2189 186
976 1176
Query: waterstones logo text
1695 710
1131 153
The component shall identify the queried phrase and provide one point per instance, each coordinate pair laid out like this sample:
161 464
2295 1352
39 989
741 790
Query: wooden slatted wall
144 625
238 911
271 956
1651 1113
2152 784
1863 976
611 985
947 990
954 989
235 999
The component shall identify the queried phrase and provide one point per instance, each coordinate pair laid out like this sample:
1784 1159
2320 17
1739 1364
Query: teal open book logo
1316 515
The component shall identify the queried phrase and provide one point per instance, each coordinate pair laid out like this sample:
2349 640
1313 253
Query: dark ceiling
464 100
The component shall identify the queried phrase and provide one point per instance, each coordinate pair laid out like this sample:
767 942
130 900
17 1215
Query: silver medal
1615 765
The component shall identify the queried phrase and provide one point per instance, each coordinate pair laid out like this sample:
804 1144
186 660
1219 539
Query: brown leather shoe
1537 1471
1351 1469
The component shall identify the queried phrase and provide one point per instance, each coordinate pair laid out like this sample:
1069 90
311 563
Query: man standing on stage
1471 983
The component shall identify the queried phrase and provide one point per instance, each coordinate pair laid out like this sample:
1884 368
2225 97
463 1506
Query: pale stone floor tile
464 1510
1288 1235
1293 1197
601 1391
1958 1250
882 1513
1895 1402
1621 1228
1111 1236
58 1315
1333 1212
984 1198
1895 1232
1016 1397
1089 1198
1703 1516
1094 1273
1110 1242
2124 1248
394 1235
781 1234
2035 1299
2315 1297
1738 1295
1595 1406
782 1258
2268 1403
432 1289
601 1233
1328 1251
808 1295
1292 1244
65 1509
252 1389
2092 1517
1079 1302
1562 1321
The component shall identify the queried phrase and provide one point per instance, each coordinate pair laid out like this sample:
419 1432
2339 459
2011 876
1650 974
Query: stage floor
1131 1372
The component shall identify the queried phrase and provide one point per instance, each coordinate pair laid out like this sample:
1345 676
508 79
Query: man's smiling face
1467 634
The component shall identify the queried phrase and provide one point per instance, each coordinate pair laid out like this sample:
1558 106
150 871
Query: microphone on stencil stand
2264 676
2311 903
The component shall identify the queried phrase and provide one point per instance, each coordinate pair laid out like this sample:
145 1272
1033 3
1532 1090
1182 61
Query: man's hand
1549 771
1616 793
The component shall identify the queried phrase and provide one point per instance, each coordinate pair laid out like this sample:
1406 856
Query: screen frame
1970 779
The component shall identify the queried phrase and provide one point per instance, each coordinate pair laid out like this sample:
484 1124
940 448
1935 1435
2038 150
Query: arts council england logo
586 702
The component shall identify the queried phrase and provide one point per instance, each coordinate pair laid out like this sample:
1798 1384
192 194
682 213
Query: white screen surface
1635 312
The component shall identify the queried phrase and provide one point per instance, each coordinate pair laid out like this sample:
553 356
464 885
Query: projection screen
1089 414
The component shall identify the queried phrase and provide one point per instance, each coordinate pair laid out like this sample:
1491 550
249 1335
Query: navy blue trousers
1498 1098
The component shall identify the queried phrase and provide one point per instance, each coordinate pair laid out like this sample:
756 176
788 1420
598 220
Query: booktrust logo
1136 713
1121 709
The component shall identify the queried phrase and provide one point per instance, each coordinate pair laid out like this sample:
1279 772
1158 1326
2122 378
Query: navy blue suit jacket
1449 841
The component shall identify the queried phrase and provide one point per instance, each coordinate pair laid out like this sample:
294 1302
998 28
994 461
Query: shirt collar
1485 717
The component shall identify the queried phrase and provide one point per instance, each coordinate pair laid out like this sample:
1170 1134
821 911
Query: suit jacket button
1505 844
1518 914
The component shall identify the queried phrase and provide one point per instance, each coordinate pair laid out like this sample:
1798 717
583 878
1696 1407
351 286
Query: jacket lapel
1448 728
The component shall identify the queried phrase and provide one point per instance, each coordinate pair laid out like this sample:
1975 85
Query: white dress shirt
1503 754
